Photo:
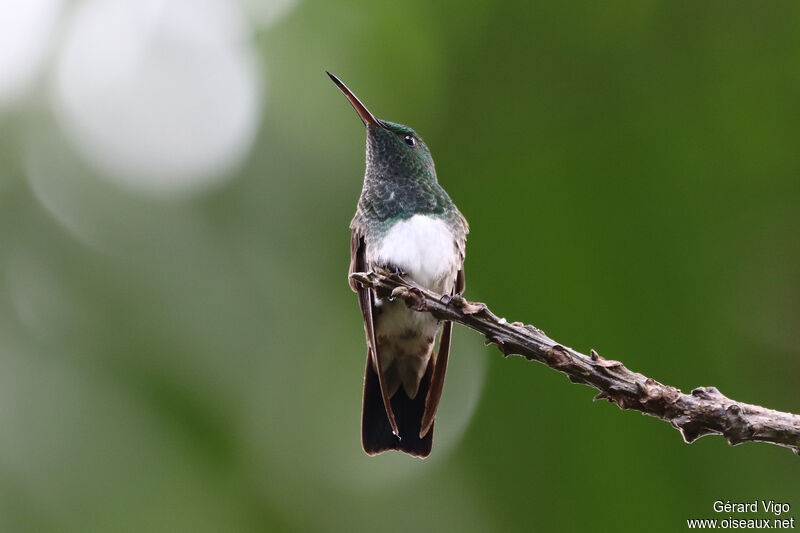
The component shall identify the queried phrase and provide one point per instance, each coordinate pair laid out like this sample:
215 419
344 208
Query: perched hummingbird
404 222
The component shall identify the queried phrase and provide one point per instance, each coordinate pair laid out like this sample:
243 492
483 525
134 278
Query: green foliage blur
631 174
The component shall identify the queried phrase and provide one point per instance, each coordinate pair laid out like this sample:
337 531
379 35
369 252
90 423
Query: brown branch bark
705 411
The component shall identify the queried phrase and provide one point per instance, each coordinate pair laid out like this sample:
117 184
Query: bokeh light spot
159 96
26 27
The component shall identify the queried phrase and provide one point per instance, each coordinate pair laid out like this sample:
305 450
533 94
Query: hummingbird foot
390 270
448 299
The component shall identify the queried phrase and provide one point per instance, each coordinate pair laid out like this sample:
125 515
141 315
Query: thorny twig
705 411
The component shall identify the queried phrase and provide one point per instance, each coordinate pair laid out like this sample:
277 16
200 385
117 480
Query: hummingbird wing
365 302
440 367
443 354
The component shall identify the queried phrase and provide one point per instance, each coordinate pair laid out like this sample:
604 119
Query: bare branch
705 411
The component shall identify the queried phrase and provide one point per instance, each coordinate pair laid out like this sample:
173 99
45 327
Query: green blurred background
180 351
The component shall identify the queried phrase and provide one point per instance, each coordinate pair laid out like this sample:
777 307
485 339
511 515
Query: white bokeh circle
160 96
267 12
26 28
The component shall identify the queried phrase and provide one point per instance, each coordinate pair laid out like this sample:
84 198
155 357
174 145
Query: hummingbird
405 222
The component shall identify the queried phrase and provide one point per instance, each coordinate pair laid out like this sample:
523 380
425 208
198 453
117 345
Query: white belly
422 246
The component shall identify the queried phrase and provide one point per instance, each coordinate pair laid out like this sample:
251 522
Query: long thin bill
366 117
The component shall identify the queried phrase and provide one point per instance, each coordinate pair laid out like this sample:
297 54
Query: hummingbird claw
391 270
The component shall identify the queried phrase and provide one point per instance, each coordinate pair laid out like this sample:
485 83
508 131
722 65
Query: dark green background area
631 174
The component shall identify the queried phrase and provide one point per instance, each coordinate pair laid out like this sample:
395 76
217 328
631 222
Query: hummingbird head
394 151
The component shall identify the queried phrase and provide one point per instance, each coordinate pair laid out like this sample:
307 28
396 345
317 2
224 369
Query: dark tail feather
376 433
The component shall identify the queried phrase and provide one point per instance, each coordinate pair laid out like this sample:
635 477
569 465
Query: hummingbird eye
410 140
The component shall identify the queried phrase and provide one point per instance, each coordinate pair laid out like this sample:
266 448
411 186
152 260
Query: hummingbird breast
422 246
426 249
